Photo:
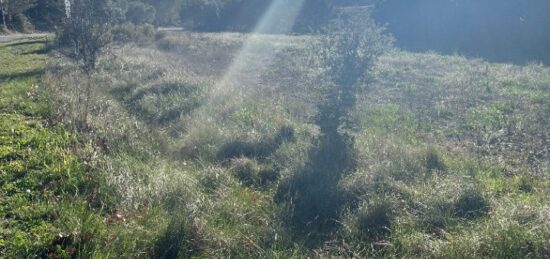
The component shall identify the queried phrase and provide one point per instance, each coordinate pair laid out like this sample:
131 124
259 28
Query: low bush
21 23
142 35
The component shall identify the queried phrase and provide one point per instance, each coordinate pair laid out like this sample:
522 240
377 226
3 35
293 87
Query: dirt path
14 37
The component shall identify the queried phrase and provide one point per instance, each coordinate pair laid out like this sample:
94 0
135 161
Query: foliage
140 13
47 15
14 14
167 11
86 31
142 35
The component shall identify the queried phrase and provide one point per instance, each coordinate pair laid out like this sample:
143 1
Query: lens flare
279 18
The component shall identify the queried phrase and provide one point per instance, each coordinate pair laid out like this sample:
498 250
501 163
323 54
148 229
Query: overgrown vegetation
320 146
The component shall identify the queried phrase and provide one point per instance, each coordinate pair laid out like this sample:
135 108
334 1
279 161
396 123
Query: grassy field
195 141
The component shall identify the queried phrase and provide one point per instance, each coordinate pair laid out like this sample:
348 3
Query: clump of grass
438 217
374 220
212 179
472 204
251 173
434 160
259 149
246 170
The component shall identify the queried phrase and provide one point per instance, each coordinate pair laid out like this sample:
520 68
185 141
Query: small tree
84 34
346 53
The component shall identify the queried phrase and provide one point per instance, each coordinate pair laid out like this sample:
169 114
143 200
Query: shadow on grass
312 198
258 150
41 51
20 75
23 42
132 101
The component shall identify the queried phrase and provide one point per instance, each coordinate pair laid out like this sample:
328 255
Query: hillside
195 143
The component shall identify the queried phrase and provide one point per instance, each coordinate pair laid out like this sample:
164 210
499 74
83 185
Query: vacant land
194 143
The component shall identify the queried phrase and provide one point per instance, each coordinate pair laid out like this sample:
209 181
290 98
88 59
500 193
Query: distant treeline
498 30
242 15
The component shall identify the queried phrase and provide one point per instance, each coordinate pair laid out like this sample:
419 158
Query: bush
142 35
21 23
86 32
140 13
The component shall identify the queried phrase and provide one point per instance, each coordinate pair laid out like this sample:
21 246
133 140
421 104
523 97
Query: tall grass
450 161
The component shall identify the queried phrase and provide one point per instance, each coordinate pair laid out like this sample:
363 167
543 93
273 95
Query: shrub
142 35
140 13
86 32
21 23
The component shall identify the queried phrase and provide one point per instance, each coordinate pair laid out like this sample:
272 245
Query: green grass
52 200
37 163
452 160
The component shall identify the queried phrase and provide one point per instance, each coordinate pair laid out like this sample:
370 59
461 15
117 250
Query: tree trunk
68 8
4 26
